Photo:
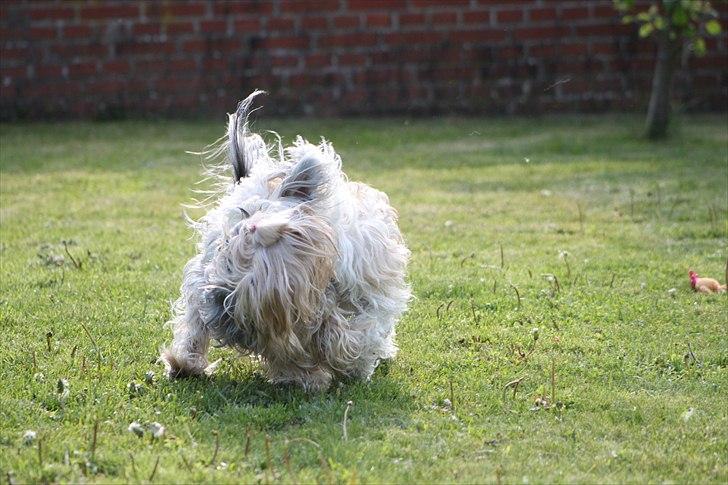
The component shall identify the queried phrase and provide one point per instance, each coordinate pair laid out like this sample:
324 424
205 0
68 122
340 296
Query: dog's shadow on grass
231 395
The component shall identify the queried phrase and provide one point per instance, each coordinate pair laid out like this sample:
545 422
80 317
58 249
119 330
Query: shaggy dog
296 265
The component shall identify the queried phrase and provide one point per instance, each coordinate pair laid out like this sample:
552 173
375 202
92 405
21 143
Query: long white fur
295 265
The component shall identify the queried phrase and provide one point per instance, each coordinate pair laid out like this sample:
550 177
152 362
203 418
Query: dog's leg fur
187 356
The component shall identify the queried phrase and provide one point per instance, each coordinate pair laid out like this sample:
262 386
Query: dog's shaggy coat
296 265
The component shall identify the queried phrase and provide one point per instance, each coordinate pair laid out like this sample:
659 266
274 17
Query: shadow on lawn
225 395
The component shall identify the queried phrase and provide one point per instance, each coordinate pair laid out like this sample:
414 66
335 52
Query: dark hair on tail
237 132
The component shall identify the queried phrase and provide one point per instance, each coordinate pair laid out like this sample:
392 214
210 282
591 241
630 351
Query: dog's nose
268 230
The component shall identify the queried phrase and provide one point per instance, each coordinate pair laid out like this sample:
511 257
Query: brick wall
333 57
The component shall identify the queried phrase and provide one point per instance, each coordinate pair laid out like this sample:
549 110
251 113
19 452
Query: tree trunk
658 113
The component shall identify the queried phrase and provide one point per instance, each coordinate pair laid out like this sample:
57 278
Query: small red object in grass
705 285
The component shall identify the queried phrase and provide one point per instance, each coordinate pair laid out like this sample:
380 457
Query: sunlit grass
543 250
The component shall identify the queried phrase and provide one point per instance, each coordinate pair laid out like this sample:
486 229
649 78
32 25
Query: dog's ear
309 177
242 146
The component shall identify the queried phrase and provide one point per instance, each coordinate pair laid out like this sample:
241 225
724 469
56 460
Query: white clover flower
29 437
136 428
157 430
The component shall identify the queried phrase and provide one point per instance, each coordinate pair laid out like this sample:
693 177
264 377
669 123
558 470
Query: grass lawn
554 251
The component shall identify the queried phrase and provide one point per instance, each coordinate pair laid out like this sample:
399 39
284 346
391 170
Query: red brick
508 52
454 73
37 33
318 60
351 59
602 48
375 4
710 61
8 92
14 53
146 29
179 27
346 21
106 86
76 31
411 19
355 96
575 13
145 48
69 50
227 44
550 32
540 14
248 25
147 67
82 69
305 6
605 11
52 13
378 20
378 75
211 63
301 80
178 84
280 24
414 38
476 17
289 42
438 3
575 49
109 11
477 36
195 45
443 18
314 23
213 26
607 30
349 40
284 61
509 16
180 9
182 65
45 71
116 67
18 72
708 80
711 43
8 33
243 7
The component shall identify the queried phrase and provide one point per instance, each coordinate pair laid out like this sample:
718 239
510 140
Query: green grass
617 220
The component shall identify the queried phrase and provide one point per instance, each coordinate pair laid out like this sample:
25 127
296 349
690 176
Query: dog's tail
237 133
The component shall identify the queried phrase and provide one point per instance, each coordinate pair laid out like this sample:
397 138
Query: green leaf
699 46
646 30
623 5
659 23
712 27
680 18
643 17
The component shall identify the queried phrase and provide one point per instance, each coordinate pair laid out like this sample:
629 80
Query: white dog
296 265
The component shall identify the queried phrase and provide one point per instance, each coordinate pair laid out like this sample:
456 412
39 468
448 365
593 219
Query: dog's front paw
192 365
